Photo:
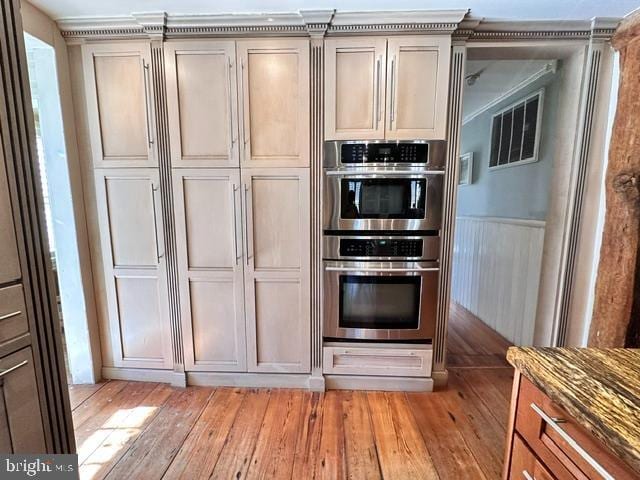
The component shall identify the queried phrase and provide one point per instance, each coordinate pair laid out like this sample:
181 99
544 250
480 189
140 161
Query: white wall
496 265
66 198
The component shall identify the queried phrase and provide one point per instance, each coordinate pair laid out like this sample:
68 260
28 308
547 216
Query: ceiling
496 78
495 9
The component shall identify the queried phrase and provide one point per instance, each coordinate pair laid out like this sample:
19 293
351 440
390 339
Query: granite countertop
600 388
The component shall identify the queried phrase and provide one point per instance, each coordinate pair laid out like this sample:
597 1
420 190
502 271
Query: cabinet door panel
277 270
275 102
130 222
19 396
9 259
418 84
354 88
202 103
209 243
119 106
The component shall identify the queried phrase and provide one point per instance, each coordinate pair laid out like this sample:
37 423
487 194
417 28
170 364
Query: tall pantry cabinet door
9 259
417 87
354 88
120 109
133 254
277 269
209 240
202 102
274 101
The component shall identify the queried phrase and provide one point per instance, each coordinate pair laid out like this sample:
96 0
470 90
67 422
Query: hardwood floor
471 343
138 430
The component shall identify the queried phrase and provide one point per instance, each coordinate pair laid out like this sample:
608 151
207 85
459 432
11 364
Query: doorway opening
516 149
59 208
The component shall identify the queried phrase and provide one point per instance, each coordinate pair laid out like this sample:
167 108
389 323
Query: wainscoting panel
496 272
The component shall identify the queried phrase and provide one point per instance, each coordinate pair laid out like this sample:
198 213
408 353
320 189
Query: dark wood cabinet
544 442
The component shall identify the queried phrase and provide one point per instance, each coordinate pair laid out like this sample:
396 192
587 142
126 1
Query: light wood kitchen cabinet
131 233
274 102
355 72
9 259
202 103
379 88
276 230
21 428
209 233
120 111
417 87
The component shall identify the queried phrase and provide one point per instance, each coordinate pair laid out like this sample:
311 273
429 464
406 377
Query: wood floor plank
123 430
275 449
401 449
484 384
153 451
331 460
197 456
446 444
309 437
96 430
78 393
235 457
96 402
360 445
482 433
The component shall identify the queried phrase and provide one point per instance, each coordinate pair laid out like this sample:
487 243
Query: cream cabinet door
417 87
120 111
277 269
209 240
9 259
130 222
202 103
354 88
274 100
21 427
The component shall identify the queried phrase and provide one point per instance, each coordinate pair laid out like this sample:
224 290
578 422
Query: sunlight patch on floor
105 443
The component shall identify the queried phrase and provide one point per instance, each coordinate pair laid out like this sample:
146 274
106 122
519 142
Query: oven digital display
384 153
373 247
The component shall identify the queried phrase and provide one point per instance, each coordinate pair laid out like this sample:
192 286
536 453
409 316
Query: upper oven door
391 200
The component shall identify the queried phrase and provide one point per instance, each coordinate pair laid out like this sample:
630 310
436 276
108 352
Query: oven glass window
377 302
383 198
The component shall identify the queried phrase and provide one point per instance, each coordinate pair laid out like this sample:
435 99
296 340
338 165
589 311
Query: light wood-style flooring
135 430
473 344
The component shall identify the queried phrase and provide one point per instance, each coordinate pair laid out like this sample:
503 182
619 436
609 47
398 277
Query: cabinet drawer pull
377 109
527 475
154 189
392 115
235 226
10 315
233 137
11 369
246 222
553 423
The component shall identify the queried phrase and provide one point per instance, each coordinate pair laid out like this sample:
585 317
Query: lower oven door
380 300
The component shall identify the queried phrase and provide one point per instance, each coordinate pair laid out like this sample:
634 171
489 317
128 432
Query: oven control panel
378 247
384 153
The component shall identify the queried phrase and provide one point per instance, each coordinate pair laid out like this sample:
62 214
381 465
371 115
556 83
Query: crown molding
318 23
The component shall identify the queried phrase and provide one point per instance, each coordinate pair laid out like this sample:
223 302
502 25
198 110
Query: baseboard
251 380
391 384
440 378
142 375
317 383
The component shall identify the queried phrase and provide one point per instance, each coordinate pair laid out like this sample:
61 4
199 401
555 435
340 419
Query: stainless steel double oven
382 216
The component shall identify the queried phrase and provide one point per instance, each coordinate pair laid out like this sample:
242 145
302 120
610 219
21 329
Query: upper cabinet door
354 88
417 87
119 104
274 100
202 103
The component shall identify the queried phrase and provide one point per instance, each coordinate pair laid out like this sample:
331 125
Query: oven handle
383 270
385 173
